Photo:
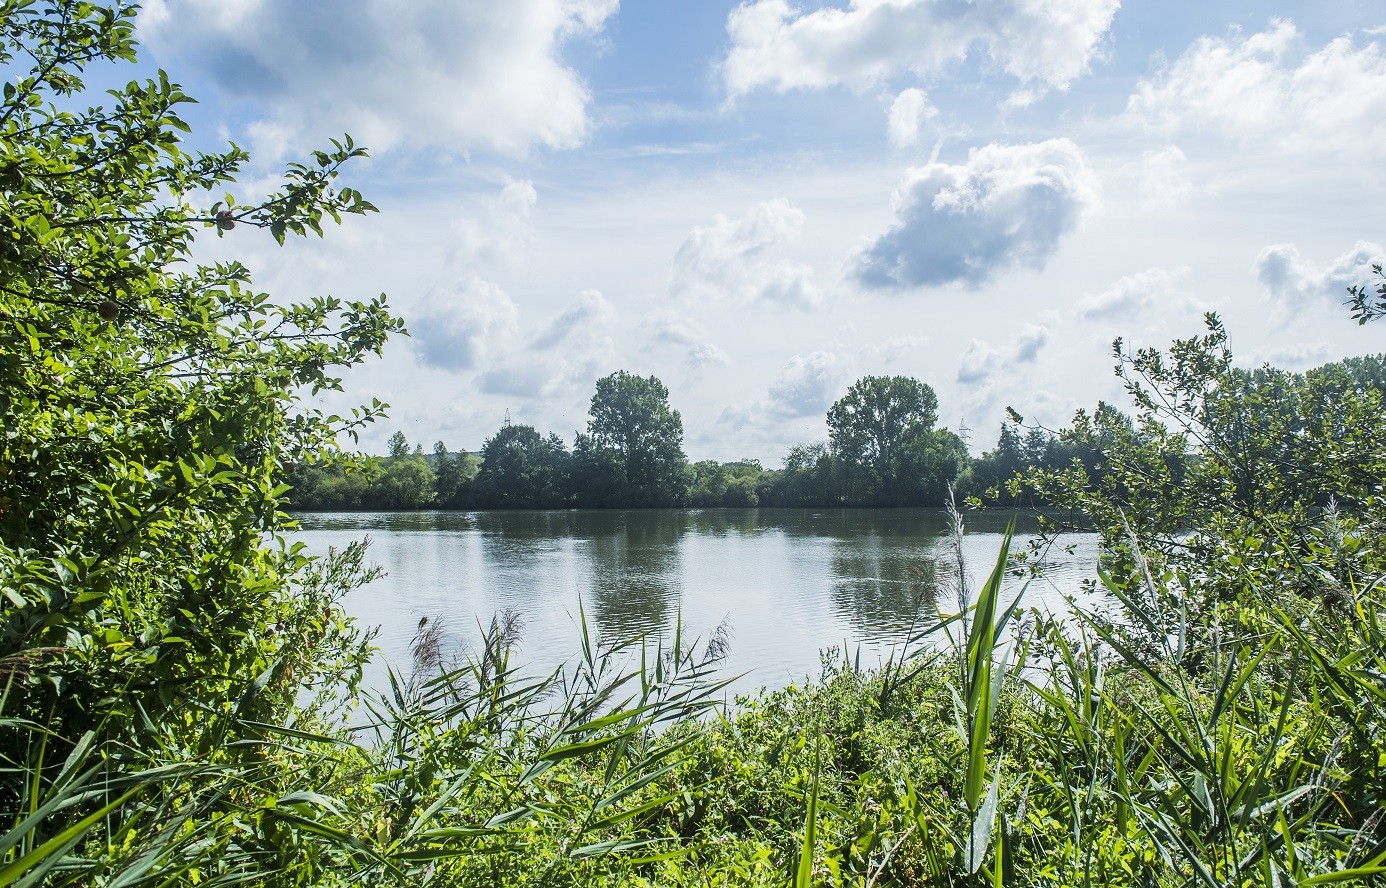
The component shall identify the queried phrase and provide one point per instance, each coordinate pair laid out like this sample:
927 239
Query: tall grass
1169 747
1164 748
473 760
1222 750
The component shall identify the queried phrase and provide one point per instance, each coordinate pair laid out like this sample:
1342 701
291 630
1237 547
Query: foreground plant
157 630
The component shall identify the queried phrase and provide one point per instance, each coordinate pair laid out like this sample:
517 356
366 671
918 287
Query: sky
761 202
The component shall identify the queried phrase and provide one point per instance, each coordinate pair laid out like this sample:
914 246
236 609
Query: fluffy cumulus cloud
977 363
1294 284
1164 181
706 354
1007 206
572 348
590 310
455 328
497 232
741 260
1151 291
1265 86
893 350
672 328
807 385
454 76
521 379
907 114
782 47
981 360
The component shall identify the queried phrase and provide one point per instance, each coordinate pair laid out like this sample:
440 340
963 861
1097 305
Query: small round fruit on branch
108 310
226 220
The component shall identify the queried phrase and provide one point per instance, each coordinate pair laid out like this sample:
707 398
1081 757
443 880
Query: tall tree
521 469
404 482
633 449
450 470
882 433
729 485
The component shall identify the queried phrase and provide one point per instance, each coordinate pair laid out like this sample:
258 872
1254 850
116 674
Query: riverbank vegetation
179 699
883 450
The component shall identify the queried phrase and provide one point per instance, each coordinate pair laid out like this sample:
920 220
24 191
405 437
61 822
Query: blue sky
760 202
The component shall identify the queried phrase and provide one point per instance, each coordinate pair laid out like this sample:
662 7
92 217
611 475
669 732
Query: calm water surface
787 583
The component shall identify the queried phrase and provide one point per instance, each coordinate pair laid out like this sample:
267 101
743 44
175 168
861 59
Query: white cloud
704 354
498 232
576 346
1294 284
1163 180
907 114
672 328
777 46
452 76
591 309
892 350
1006 206
571 349
453 328
736 259
1298 357
977 363
1027 345
1262 87
981 360
807 386
1146 292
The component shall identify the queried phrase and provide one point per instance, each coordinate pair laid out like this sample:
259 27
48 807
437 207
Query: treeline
882 450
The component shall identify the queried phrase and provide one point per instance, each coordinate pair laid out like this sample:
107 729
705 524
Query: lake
786 583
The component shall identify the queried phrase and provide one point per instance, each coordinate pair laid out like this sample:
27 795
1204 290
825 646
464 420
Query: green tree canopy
521 469
633 449
404 482
150 404
729 485
810 477
1249 456
452 475
882 432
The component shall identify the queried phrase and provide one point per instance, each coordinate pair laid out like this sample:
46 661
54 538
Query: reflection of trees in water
884 587
635 571
522 525
405 522
517 541
855 524
721 522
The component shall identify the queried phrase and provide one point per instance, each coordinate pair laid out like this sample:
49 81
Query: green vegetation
884 451
632 454
890 454
521 469
178 685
